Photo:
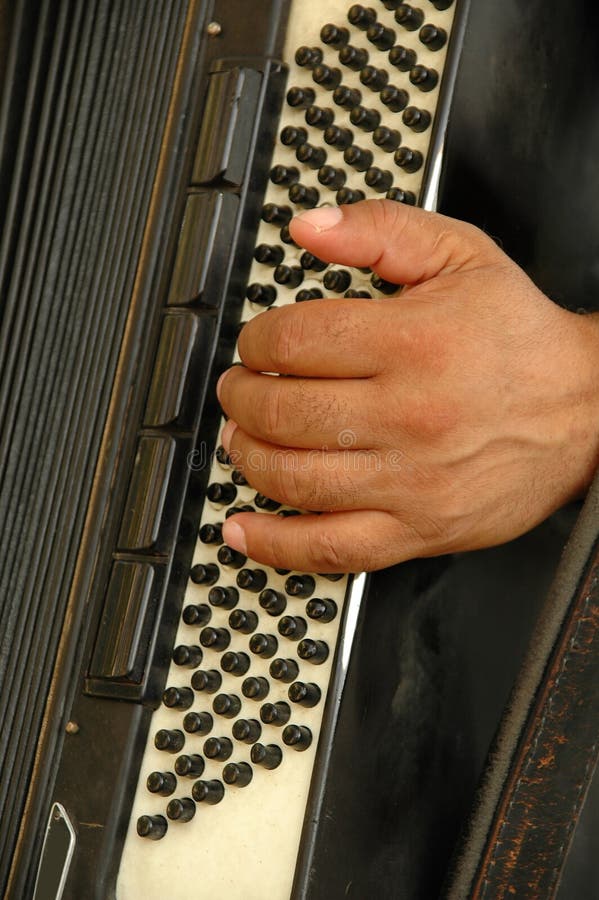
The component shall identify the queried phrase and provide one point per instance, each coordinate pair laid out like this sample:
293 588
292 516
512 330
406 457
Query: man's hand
455 416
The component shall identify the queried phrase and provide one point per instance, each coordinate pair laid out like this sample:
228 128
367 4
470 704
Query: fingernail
227 434
219 383
234 536
323 218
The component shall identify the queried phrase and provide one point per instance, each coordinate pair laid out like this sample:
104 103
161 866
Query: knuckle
286 337
272 413
431 419
325 550
311 408
391 217
288 482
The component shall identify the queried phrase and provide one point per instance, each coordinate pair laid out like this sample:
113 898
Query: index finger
330 339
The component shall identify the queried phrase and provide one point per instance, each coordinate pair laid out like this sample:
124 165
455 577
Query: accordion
177 720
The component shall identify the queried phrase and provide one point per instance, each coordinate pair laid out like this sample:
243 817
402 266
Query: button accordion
181 721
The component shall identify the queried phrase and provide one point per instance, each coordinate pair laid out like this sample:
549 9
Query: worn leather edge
519 806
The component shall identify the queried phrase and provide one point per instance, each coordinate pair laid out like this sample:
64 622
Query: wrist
586 366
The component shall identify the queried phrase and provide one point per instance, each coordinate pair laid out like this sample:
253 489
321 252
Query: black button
227 123
348 195
338 137
409 17
358 158
229 557
300 585
209 680
308 57
292 627
334 36
178 698
198 723
374 78
378 179
326 77
311 156
168 402
276 215
311 294
172 741
204 574
307 695
189 766
403 58
284 176
432 37
264 645
272 602
337 280
409 160
227 705
247 730
387 139
239 774
223 597
197 614
394 98
334 179
290 276
142 521
319 117
416 119
269 756
424 79
235 663
353 57
189 657
380 36
218 748
163 783
221 493
366 119
300 98
211 533
313 651
181 810
260 500
321 610
255 688
285 670
215 638
347 97
297 736
204 249
208 791
119 651
275 713
269 255
152 827
243 620
307 197
262 294
292 136
361 16
252 580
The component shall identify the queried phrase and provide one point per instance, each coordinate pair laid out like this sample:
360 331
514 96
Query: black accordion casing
100 112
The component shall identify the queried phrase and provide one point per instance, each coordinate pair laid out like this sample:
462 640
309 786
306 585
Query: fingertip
234 536
323 218
227 434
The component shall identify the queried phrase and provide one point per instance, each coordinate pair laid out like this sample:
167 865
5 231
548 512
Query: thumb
402 244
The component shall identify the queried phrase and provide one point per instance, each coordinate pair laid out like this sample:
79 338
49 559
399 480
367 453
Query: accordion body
177 720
